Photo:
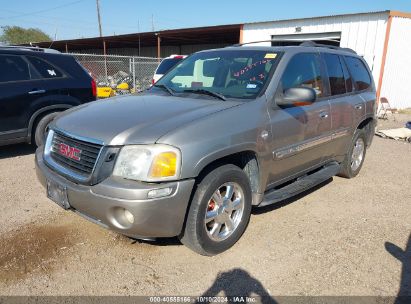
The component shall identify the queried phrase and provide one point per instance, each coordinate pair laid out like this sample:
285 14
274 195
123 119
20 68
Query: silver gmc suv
223 131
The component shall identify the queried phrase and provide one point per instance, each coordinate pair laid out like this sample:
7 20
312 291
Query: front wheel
40 131
355 156
219 212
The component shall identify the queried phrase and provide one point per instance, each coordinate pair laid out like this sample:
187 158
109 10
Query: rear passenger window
13 68
362 79
303 70
45 69
335 74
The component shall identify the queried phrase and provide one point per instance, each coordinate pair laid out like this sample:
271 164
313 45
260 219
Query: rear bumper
104 203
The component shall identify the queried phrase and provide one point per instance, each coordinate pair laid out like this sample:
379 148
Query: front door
299 132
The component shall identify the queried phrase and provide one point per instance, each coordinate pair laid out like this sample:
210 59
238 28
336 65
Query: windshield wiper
163 86
206 92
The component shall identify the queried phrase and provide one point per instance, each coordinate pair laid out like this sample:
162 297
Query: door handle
33 92
358 106
323 115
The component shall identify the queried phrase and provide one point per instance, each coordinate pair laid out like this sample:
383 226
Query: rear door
15 88
347 108
299 132
365 95
342 100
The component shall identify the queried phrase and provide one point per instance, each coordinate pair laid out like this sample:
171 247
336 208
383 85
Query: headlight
148 163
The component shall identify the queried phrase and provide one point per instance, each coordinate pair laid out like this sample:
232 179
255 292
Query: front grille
88 155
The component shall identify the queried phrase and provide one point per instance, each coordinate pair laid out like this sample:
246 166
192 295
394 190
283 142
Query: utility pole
152 22
99 17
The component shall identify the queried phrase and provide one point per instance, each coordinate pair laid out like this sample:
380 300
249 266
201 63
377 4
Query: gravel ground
346 237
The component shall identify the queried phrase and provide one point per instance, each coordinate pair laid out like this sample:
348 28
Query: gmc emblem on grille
69 152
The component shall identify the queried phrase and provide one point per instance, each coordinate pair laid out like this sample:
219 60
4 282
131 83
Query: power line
73 22
42 11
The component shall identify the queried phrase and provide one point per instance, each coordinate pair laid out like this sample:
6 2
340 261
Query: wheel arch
247 160
37 115
368 125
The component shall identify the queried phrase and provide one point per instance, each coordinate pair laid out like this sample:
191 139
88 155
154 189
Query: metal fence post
134 74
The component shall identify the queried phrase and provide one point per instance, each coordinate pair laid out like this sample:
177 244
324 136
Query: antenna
54 39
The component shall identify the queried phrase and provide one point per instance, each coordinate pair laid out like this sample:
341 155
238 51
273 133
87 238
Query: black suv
35 85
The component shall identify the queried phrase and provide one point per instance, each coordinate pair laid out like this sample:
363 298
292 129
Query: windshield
230 73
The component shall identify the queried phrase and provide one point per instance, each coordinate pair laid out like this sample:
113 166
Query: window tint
335 74
45 69
347 76
362 79
167 64
303 70
13 68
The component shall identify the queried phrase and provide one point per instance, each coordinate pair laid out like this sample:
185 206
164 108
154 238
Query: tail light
153 81
93 87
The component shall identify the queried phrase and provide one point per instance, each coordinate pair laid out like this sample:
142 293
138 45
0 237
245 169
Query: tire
197 234
40 129
348 169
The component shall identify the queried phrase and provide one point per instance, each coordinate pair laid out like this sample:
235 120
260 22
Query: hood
136 119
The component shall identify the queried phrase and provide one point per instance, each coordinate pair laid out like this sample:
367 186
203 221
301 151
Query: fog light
156 193
129 217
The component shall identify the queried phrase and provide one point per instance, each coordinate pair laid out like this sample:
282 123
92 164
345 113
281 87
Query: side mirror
297 97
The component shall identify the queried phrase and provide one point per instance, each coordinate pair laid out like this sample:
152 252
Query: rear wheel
219 212
41 128
356 155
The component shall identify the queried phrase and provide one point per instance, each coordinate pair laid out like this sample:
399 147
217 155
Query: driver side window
303 70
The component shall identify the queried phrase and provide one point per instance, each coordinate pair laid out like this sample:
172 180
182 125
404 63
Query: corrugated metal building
382 38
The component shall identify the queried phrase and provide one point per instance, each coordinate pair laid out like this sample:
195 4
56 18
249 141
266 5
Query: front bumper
160 217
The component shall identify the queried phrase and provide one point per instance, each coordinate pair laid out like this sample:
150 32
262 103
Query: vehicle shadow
404 256
171 241
237 283
260 210
16 150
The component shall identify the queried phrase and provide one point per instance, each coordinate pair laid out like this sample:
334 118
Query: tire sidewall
39 133
239 177
360 133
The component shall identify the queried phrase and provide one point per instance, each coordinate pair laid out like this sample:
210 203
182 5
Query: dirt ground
346 237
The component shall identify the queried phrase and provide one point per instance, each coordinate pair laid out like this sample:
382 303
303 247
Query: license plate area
58 194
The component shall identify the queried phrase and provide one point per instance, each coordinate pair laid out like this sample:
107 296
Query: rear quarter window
44 69
362 79
167 64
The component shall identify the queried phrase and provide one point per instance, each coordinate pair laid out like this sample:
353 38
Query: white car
165 65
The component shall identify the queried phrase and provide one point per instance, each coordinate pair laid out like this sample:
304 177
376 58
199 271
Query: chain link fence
112 70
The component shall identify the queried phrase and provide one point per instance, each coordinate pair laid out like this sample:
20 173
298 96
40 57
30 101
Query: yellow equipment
105 92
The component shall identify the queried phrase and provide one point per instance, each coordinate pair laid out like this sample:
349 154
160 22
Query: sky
70 19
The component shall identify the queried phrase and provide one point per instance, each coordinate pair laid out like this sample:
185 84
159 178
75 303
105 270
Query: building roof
199 35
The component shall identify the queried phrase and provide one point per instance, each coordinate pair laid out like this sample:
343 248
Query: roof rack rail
28 48
314 44
259 41
306 43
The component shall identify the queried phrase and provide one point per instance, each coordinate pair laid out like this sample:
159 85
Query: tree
19 35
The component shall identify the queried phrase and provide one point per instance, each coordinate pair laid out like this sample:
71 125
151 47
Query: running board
300 185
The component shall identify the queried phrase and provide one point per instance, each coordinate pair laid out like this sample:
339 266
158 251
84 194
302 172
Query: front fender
221 134
221 153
